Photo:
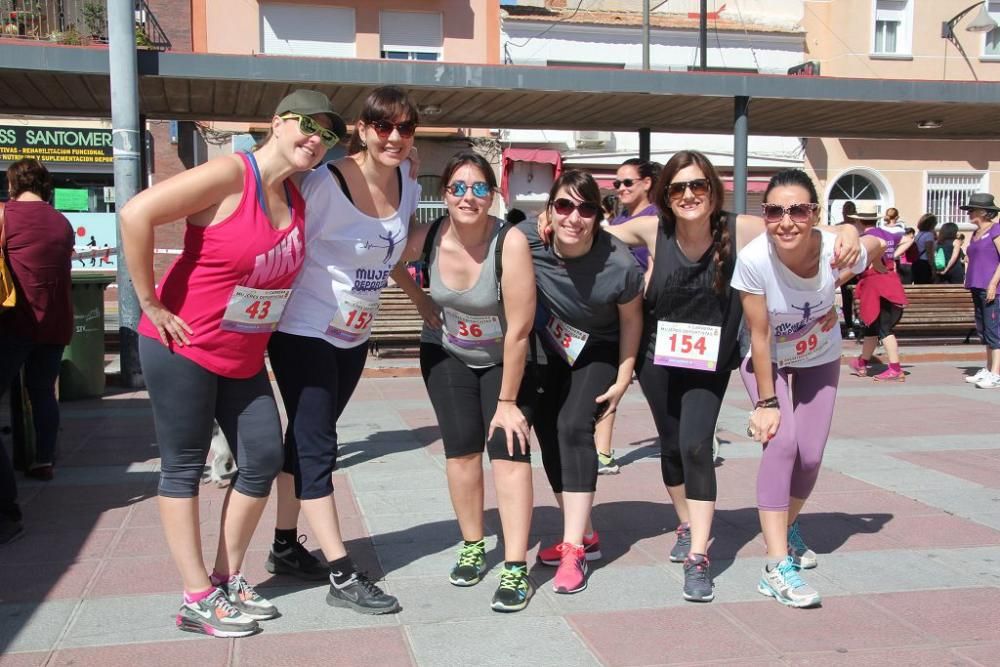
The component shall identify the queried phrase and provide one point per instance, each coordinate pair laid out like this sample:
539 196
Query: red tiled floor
63 546
653 637
206 651
34 582
23 660
345 648
136 576
868 502
971 614
921 532
894 657
861 417
981 467
987 655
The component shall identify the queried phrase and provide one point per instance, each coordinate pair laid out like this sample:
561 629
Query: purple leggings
790 464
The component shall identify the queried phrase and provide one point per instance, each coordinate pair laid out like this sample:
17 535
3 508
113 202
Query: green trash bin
82 372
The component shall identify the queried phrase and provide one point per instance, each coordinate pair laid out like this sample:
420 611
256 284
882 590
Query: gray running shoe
698 585
683 545
248 601
362 595
804 557
216 617
785 584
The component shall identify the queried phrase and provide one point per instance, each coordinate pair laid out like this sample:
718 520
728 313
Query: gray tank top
474 323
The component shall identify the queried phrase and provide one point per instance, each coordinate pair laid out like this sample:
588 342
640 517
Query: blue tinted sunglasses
480 189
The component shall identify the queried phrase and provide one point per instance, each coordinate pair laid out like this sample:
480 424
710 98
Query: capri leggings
567 414
685 406
465 400
790 464
186 398
316 380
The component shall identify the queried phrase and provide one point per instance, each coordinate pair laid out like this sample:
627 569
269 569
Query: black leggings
186 398
316 380
685 406
567 414
889 315
465 400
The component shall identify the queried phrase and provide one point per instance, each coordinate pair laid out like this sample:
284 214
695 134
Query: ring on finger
749 431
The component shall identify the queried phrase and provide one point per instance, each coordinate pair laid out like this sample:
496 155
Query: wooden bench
396 329
938 310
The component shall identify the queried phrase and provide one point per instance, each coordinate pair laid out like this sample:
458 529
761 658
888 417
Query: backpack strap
498 258
425 254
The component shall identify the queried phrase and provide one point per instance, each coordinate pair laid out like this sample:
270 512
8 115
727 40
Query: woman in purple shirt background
982 277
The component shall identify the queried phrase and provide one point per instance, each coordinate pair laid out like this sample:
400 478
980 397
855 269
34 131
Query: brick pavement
906 520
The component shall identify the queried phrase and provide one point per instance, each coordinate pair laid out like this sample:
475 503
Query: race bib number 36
472 331
684 345
803 346
567 340
353 320
254 310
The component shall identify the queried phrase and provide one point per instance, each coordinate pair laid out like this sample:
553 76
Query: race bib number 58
684 345
254 310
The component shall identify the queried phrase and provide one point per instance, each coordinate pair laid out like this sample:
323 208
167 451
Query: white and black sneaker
248 601
362 595
215 616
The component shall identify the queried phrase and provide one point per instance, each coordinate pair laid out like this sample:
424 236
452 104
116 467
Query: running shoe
989 381
802 555
858 366
591 548
362 595
980 374
891 375
471 565
698 584
683 545
606 464
295 560
785 584
514 591
248 601
215 616
571 577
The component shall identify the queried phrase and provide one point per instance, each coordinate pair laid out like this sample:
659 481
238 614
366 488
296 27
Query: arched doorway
856 185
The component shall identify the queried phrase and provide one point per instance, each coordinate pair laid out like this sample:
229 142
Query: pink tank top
232 280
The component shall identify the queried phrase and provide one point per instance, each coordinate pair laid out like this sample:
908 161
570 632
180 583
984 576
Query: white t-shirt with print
795 305
348 259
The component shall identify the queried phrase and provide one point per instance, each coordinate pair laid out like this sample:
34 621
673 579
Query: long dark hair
583 186
948 232
721 242
793 177
927 222
385 103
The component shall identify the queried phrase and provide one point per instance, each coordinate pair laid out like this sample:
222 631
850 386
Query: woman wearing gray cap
203 334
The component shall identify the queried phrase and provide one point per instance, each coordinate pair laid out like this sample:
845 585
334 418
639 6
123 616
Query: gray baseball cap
312 103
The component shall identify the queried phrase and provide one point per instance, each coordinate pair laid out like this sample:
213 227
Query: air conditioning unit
591 139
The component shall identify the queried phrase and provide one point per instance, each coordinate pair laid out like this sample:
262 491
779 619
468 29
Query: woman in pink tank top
203 334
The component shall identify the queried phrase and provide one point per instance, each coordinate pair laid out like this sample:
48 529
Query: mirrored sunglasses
480 189
796 212
308 126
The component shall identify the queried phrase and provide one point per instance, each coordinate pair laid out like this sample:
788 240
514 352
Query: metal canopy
73 81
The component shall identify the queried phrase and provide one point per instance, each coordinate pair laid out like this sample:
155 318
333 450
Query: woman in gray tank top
473 356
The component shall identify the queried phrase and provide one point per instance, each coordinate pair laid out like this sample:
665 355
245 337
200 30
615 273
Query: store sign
55 144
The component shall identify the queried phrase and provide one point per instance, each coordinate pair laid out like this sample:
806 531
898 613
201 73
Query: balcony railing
75 22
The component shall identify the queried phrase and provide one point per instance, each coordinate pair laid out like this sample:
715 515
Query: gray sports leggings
186 398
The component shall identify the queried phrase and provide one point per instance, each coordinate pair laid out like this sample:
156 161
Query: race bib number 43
567 340
684 345
353 320
472 331
254 310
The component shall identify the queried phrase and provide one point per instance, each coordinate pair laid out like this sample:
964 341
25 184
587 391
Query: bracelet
506 400
767 403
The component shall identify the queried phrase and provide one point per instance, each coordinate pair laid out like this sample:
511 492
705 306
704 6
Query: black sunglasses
699 188
796 212
627 182
567 206
384 128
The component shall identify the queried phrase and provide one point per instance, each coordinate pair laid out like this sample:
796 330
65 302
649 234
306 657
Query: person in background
515 216
610 206
906 255
982 278
891 222
38 244
953 272
923 267
847 288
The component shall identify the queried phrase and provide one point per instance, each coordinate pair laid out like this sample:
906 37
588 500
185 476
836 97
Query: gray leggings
186 398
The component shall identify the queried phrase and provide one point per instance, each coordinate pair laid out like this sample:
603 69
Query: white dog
221 466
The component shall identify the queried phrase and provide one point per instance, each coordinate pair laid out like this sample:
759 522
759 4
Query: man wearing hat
981 278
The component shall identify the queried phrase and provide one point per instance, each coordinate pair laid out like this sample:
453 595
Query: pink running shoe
858 366
890 375
571 577
551 555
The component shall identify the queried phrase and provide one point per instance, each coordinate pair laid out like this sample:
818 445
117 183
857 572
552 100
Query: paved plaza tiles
906 520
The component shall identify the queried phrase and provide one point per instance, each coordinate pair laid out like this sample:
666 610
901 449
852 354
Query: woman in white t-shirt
787 284
358 211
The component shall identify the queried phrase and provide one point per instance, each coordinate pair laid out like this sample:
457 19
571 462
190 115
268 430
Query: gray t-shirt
585 291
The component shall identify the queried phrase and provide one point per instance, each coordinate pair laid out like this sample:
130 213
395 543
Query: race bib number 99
254 310
683 345
353 320
472 331
803 346
568 341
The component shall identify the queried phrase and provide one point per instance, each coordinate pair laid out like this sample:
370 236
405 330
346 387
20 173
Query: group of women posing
535 328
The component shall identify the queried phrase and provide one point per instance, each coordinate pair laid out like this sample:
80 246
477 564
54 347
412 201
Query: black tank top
684 291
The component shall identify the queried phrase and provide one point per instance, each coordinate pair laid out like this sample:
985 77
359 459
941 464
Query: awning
537 155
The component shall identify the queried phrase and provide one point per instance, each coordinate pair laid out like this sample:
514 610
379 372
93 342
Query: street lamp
982 23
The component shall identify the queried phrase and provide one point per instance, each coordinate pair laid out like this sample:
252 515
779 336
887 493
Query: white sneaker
989 381
980 374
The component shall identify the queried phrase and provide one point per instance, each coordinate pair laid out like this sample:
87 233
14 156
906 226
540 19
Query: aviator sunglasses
796 212
384 128
308 126
567 206
480 189
699 188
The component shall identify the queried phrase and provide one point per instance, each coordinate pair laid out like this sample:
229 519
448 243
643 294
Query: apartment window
992 45
411 35
893 27
947 191
301 30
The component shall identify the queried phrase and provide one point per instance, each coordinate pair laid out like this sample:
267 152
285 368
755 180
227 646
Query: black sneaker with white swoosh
362 595
295 560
